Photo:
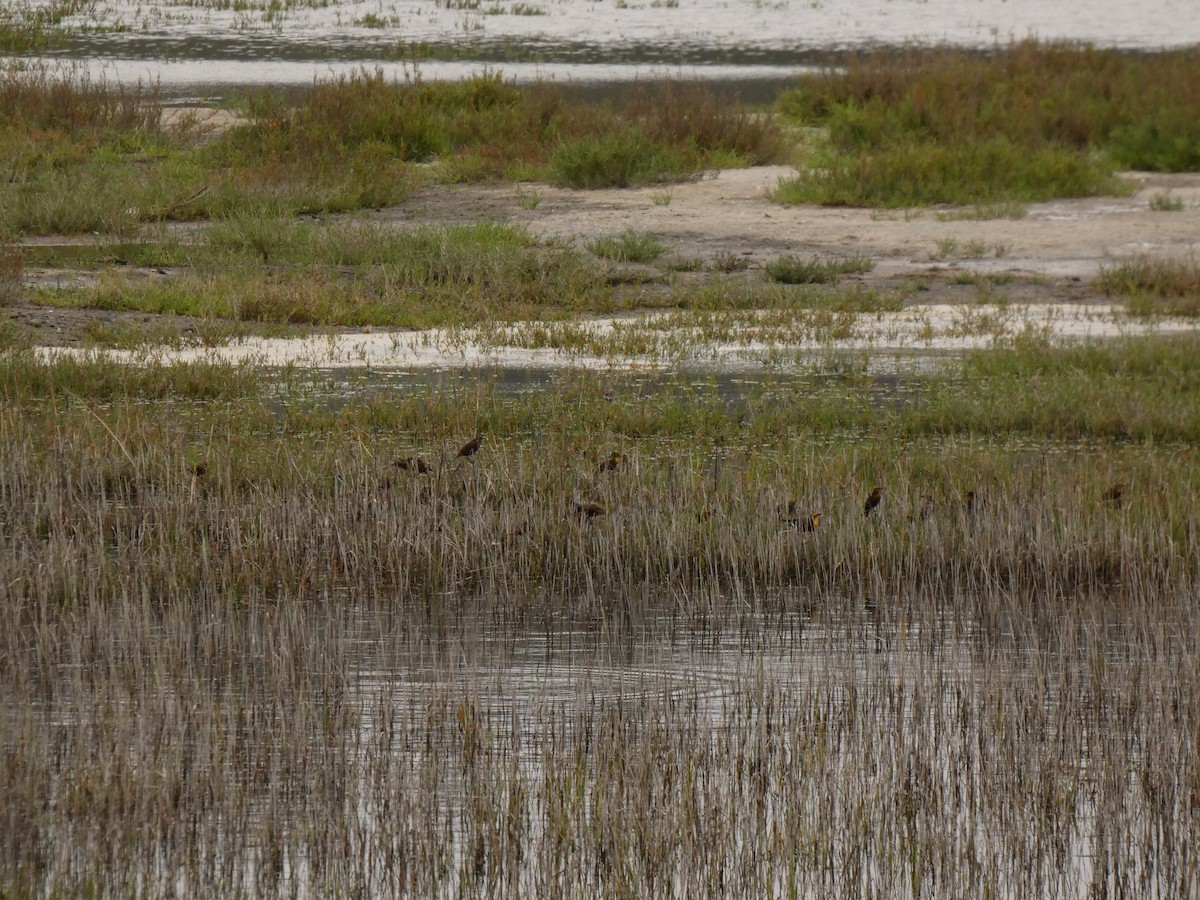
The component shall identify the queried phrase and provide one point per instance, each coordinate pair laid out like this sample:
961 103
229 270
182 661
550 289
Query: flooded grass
250 654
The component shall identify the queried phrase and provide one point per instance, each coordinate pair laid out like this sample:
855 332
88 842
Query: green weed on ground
1023 122
1155 286
793 270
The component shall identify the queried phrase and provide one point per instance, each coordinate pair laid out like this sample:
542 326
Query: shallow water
912 340
196 47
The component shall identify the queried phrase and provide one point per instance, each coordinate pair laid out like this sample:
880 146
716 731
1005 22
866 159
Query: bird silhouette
614 460
969 501
805 522
872 501
811 522
471 447
412 464
1115 495
589 510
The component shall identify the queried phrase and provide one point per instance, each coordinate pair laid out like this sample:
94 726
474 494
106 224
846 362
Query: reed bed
246 653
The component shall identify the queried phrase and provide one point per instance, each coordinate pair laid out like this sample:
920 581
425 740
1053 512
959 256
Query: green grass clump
629 246
1155 286
616 159
1024 122
285 271
792 270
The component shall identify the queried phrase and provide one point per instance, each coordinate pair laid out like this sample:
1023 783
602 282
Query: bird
589 510
614 460
1115 495
811 522
873 500
412 464
969 500
200 469
471 447
806 522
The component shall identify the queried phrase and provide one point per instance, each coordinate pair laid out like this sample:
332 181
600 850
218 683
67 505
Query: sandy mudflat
729 212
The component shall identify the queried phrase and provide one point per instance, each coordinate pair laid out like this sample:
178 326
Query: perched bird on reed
969 500
471 447
200 469
873 500
1115 495
614 460
589 510
412 464
811 522
801 522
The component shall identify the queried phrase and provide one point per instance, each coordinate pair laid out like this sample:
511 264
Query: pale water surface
196 47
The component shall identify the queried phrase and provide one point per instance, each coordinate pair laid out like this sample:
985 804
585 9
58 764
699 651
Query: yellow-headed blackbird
872 501
412 464
1115 495
614 460
200 469
806 522
471 447
589 510
811 522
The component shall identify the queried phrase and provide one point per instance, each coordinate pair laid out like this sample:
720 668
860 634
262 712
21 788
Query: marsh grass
248 654
82 155
1155 286
284 271
629 246
793 270
1027 121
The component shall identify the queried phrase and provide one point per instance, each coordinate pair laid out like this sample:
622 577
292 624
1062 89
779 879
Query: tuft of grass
1164 202
629 246
793 270
1155 286
730 262
616 159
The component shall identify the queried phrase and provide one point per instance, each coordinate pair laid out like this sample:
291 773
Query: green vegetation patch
629 246
793 270
286 271
1024 122
80 155
1155 286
